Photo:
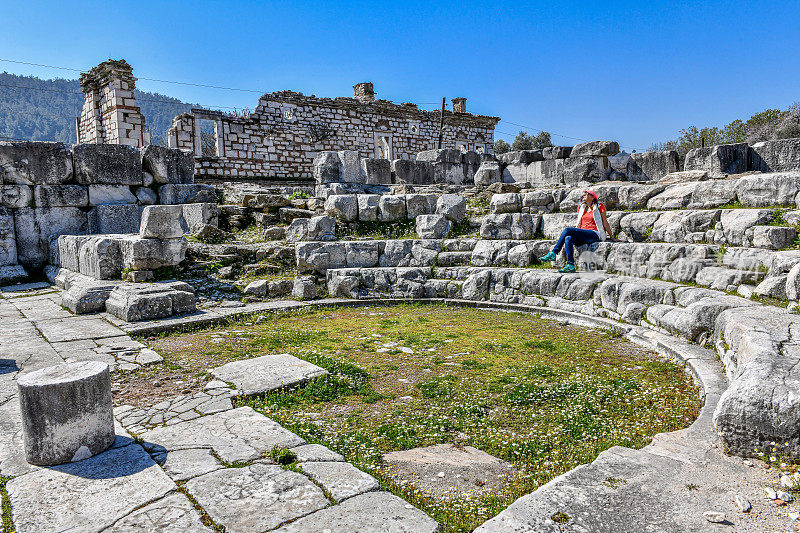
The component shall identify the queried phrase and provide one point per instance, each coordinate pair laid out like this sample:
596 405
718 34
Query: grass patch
543 396
7 525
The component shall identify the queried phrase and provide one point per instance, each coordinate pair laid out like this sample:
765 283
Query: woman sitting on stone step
592 226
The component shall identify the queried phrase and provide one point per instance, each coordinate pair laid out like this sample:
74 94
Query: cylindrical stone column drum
67 412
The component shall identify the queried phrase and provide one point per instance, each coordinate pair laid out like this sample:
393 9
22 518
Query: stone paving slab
76 328
25 289
175 410
240 434
181 465
373 512
341 480
267 373
171 514
256 498
315 452
89 495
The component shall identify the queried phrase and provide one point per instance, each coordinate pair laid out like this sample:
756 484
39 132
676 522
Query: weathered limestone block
773 287
420 204
162 222
99 256
412 172
433 226
133 302
674 226
447 165
111 194
505 203
476 286
719 160
453 206
735 222
520 157
87 296
146 196
350 167
554 223
361 254
319 257
168 165
199 215
36 228
487 173
176 193
492 252
368 207
61 195
771 189
538 201
326 168
760 405
111 218
638 226
376 171
595 149
578 169
773 237
66 412
651 166
392 207
34 163
151 254
304 288
720 277
321 228
107 164
775 156
16 196
471 161
342 206
695 195
510 226
685 176
556 152
8 239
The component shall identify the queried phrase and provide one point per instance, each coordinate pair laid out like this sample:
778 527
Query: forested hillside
45 110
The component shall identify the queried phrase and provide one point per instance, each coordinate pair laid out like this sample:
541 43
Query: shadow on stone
7 366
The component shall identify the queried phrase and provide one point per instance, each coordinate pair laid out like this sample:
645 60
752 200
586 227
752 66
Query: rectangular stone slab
374 512
88 495
237 435
268 373
256 498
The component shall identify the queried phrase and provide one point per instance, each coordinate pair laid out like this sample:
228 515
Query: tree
542 140
501 147
523 141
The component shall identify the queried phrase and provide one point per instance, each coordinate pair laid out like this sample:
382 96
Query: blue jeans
575 237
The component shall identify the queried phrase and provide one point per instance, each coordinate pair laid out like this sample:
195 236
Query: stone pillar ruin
364 92
110 114
67 412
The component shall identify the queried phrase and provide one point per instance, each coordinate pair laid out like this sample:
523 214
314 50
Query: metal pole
441 125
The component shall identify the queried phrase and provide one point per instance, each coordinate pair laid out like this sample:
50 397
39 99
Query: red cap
592 193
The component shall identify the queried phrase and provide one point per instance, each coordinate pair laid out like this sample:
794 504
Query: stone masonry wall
47 190
288 130
110 114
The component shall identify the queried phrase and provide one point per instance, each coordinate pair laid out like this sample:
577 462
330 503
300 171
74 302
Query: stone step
453 258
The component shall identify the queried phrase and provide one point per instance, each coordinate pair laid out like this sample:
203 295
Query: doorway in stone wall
383 145
208 138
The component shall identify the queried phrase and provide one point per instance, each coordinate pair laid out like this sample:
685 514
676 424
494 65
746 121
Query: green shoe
549 257
568 268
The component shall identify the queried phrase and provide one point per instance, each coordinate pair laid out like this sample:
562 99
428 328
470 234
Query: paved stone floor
196 458
179 461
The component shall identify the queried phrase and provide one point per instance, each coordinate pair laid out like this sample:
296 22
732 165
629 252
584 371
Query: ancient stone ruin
361 208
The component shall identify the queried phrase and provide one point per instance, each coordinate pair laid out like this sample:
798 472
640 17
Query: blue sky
636 72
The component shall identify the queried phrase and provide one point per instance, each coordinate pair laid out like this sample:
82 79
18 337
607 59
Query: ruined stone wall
110 114
288 130
47 190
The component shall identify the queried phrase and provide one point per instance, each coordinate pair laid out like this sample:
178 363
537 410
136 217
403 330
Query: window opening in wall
208 138
462 145
480 149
